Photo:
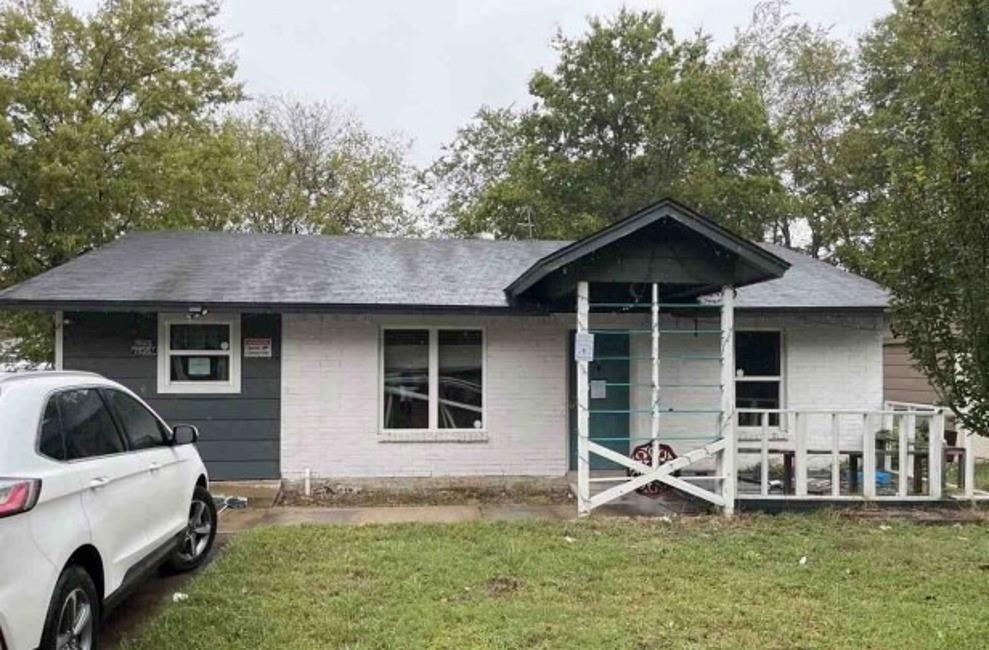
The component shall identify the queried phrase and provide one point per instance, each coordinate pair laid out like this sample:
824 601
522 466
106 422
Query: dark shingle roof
811 283
295 270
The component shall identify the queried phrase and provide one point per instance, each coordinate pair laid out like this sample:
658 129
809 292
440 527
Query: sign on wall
143 348
583 347
257 348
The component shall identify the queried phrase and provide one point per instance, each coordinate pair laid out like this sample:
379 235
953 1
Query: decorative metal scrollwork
643 454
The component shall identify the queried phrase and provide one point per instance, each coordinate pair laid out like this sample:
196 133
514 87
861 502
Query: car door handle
98 482
154 467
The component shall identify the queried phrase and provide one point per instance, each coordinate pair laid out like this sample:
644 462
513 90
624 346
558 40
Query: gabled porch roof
665 243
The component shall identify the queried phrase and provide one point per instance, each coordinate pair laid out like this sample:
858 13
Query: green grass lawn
598 584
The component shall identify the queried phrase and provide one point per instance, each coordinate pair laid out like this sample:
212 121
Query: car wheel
73 615
200 531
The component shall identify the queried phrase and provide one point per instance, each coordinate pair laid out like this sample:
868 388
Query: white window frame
165 353
433 432
780 378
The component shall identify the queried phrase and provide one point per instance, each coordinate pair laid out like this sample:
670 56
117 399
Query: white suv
96 492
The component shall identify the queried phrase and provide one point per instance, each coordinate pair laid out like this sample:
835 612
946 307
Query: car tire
199 534
74 613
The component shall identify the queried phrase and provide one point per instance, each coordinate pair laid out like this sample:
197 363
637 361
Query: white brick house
363 357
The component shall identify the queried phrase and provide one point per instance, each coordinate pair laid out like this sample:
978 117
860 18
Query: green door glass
611 352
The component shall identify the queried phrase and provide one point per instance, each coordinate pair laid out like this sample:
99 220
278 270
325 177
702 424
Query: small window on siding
198 355
433 379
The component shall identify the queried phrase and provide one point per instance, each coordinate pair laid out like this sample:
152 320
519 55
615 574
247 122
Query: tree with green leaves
926 97
315 168
106 125
628 115
805 79
122 119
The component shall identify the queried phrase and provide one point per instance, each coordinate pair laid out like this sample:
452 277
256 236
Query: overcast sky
421 68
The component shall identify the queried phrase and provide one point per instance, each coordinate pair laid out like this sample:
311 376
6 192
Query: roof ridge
348 236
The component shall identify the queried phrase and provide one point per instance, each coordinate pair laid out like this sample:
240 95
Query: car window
142 428
87 426
51 443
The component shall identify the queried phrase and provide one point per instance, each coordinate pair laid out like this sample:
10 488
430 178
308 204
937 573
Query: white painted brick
330 390
330 401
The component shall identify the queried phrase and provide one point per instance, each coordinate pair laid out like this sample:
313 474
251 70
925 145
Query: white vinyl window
758 375
432 379
198 354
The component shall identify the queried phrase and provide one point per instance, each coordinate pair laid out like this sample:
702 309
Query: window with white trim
758 375
198 354
432 379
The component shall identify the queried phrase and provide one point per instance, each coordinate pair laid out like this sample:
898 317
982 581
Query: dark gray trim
770 265
520 310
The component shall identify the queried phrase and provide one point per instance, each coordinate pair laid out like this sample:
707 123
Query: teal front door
611 352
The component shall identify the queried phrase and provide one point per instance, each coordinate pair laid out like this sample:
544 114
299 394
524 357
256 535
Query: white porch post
935 453
726 460
654 415
59 354
969 470
583 413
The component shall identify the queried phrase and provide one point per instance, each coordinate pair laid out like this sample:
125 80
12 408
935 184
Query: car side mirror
184 434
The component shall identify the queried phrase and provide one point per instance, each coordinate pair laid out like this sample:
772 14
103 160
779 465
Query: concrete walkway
233 521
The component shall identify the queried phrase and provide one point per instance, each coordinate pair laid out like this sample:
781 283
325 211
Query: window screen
86 424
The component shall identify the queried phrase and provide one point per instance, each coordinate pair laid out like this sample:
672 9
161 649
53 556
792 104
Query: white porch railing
964 443
891 454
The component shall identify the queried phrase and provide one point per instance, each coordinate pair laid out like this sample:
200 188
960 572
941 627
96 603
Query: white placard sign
257 348
583 347
599 389
199 367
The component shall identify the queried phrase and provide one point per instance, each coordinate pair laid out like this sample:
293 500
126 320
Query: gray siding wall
904 382
239 434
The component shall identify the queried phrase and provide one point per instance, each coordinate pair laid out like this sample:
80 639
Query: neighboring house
380 357
905 384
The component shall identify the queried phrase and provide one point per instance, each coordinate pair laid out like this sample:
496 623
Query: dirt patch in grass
962 514
427 492
501 586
